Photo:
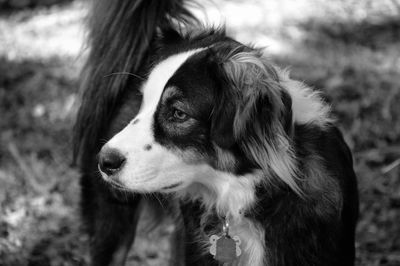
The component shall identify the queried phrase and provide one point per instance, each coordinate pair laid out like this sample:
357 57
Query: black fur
131 36
305 231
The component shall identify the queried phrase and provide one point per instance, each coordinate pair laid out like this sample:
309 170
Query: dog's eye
180 115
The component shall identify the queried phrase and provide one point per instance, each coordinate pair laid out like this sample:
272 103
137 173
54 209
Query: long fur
273 163
248 72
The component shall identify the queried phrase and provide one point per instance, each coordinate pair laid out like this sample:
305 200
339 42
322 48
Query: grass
348 49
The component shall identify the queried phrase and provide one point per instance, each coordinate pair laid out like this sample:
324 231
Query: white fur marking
151 170
230 195
159 76
307 105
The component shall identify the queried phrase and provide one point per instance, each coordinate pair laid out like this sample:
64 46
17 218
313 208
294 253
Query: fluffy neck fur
229 196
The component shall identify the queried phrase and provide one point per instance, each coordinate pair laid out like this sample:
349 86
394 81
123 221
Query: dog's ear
224 110
223 116
255 112
249 94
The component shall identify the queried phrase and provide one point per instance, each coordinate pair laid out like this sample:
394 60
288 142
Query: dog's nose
110 161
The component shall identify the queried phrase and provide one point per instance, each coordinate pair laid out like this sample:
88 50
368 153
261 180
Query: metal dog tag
224 248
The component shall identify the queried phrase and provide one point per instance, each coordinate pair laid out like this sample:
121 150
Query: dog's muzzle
110 161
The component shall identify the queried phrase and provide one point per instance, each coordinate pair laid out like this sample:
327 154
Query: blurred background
349 49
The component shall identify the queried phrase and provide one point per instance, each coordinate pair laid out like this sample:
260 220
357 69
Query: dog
249 161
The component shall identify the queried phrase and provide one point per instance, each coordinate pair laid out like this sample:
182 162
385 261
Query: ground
347 49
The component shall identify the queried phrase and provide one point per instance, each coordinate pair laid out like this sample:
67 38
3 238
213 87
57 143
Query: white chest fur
229 196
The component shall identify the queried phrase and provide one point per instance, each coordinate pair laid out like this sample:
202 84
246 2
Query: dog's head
205 112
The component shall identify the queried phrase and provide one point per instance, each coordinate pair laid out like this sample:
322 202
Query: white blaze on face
149 166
